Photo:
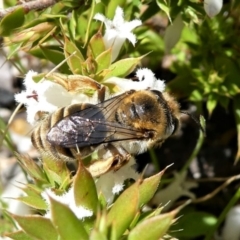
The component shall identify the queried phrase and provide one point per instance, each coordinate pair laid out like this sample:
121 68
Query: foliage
206 68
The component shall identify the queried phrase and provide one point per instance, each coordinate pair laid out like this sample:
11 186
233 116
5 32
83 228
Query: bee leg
101 94
119 158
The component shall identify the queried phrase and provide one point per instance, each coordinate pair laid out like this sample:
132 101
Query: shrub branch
28 6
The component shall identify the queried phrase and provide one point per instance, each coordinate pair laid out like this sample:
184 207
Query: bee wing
92 125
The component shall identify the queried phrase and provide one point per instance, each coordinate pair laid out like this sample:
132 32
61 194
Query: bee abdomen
41 143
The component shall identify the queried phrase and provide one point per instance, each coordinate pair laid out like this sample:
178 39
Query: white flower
112 183
213 7
67 199
146 80
117 31
231 228
45 96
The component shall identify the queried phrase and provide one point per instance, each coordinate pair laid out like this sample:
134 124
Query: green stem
197 147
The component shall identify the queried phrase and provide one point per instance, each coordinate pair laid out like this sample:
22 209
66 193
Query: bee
117 128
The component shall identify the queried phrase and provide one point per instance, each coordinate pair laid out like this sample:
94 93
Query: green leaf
37 227
173 33
57 172
5 136
123 211
153 228
72 25
75 61
30 166
111 7
19 235
211 103
104 60
35 202
163 5
96 45
85 192
66 223
193 229
196 96
148 187
33 198
123 67
12 21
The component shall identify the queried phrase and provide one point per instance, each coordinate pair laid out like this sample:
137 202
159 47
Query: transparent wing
92 125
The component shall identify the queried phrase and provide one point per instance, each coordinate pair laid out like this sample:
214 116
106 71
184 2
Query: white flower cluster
45 96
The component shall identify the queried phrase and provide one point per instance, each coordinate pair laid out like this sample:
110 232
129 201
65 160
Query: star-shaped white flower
117 31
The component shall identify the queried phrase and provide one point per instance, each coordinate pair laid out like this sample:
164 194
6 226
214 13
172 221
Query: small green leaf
163 5
96 45
35 202
148 187
30 166
73 24
37 227
19 235
211 103
104 60
123 211
57 172
153 228
66 223
194 229
74 61
123 67
196 96
85 192
12 21
173 33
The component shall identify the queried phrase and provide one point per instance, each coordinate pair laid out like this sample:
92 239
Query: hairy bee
117 128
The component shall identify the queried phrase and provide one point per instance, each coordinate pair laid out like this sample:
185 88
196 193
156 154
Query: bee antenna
195 120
